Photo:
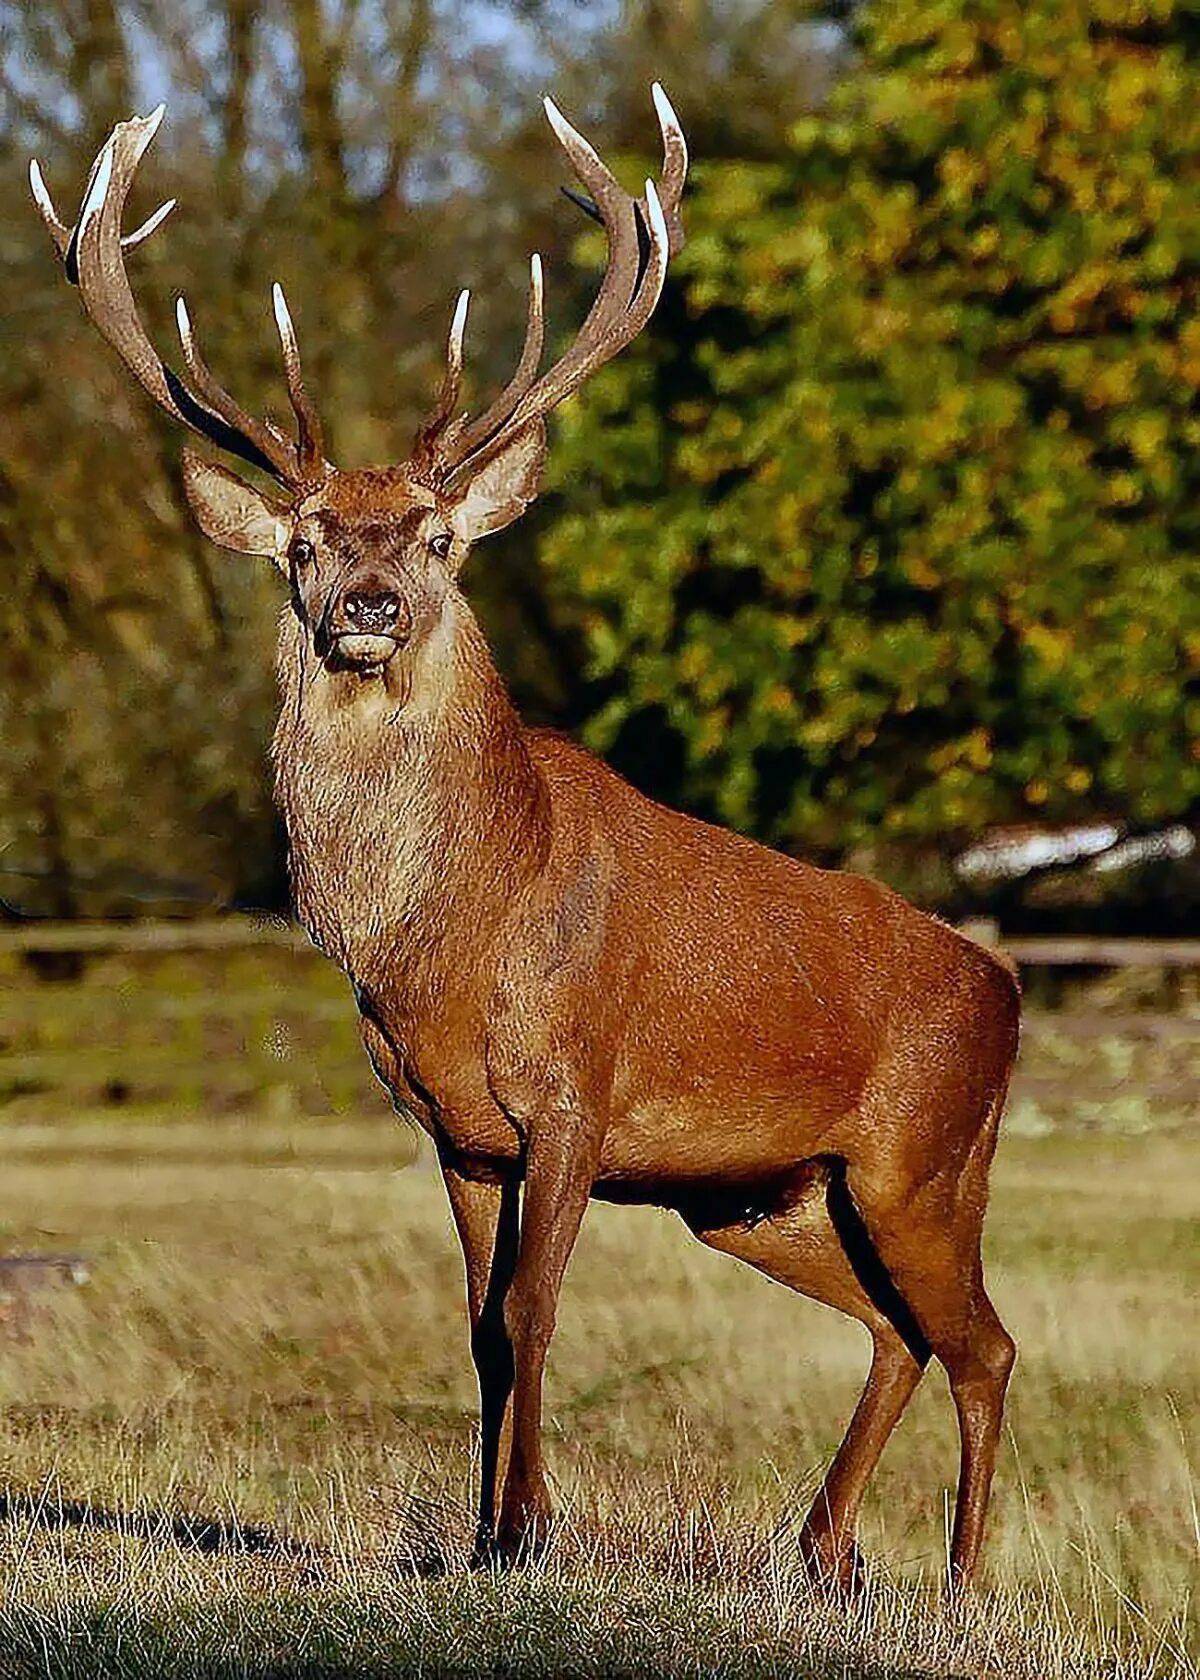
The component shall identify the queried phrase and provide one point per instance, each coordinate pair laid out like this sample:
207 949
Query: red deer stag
576 991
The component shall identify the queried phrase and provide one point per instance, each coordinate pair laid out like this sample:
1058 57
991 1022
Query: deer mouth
363 652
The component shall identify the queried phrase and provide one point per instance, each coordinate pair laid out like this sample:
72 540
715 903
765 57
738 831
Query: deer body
576 991
544 956
513 914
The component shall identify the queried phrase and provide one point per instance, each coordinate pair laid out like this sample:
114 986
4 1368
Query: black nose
371 613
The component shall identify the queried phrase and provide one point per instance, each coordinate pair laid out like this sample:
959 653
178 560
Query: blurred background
880 545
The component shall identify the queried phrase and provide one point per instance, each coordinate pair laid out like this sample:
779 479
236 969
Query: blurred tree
374 155
891 530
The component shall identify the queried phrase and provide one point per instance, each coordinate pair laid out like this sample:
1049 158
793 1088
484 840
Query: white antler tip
148 226
283 315
37 185
184 324
669 123
458 324
535 272
569 137
658 222
559 123
145 128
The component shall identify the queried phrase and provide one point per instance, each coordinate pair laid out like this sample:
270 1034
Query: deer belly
698 1141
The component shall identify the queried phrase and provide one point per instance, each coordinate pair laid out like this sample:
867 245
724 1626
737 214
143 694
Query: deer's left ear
502 490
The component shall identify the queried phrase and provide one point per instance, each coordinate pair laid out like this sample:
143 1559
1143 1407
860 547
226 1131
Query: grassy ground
244 1447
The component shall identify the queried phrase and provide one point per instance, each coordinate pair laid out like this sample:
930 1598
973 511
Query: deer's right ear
231 512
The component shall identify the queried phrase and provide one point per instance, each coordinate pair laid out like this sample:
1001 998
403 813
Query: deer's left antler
642 234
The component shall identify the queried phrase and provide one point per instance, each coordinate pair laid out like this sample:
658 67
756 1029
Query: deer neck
413 809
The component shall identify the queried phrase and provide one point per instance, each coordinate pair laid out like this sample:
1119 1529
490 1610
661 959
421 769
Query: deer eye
302 551
440 544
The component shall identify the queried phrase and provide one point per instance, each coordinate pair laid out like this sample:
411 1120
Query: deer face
371 555
368 572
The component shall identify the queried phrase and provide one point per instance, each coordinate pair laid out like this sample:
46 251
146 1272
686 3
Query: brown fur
578 991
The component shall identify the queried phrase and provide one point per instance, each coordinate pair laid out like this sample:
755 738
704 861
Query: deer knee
997 1354
986 1363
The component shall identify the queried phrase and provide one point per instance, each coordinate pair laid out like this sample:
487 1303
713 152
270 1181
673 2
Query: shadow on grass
422 1614
417 1551
208 1536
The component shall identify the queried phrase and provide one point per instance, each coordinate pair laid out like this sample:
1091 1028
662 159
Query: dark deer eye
302 551
441 544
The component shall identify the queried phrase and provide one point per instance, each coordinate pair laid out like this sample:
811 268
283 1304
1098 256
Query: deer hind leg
810 1245
928 1237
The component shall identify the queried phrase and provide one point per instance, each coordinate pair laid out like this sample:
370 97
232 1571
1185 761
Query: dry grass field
244 1446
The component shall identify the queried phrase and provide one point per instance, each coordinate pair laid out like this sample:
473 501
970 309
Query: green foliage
374 158
891 531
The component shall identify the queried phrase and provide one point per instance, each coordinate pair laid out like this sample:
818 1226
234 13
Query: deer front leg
559 1173
487 1217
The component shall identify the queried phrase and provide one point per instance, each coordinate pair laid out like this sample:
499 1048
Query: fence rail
245 932
1105 953
225 933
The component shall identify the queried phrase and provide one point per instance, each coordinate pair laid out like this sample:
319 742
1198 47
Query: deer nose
372 613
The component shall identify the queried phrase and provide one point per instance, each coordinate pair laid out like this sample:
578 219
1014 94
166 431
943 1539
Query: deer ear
231 512
502 490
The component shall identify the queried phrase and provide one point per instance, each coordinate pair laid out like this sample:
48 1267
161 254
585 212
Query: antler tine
265 439
588 354
526 369
675 166
640 240
60 233
619 217
452 378
310 434
130 240
437 427
93 257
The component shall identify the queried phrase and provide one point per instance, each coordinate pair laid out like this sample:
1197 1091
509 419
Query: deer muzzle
368 625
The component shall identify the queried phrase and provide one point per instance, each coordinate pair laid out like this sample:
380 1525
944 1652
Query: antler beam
93 257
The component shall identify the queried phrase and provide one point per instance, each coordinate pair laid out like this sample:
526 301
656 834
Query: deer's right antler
93 257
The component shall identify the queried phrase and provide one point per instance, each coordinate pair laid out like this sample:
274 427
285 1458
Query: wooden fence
244 932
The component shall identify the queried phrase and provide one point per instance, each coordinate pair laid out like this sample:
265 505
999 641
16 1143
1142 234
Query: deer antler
93 257
642 234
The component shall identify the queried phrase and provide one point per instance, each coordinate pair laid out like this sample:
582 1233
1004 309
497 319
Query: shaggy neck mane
413 809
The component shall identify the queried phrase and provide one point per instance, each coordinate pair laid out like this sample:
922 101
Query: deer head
372 554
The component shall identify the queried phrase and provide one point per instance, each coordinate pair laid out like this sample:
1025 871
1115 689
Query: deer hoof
521 1537
835 1568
